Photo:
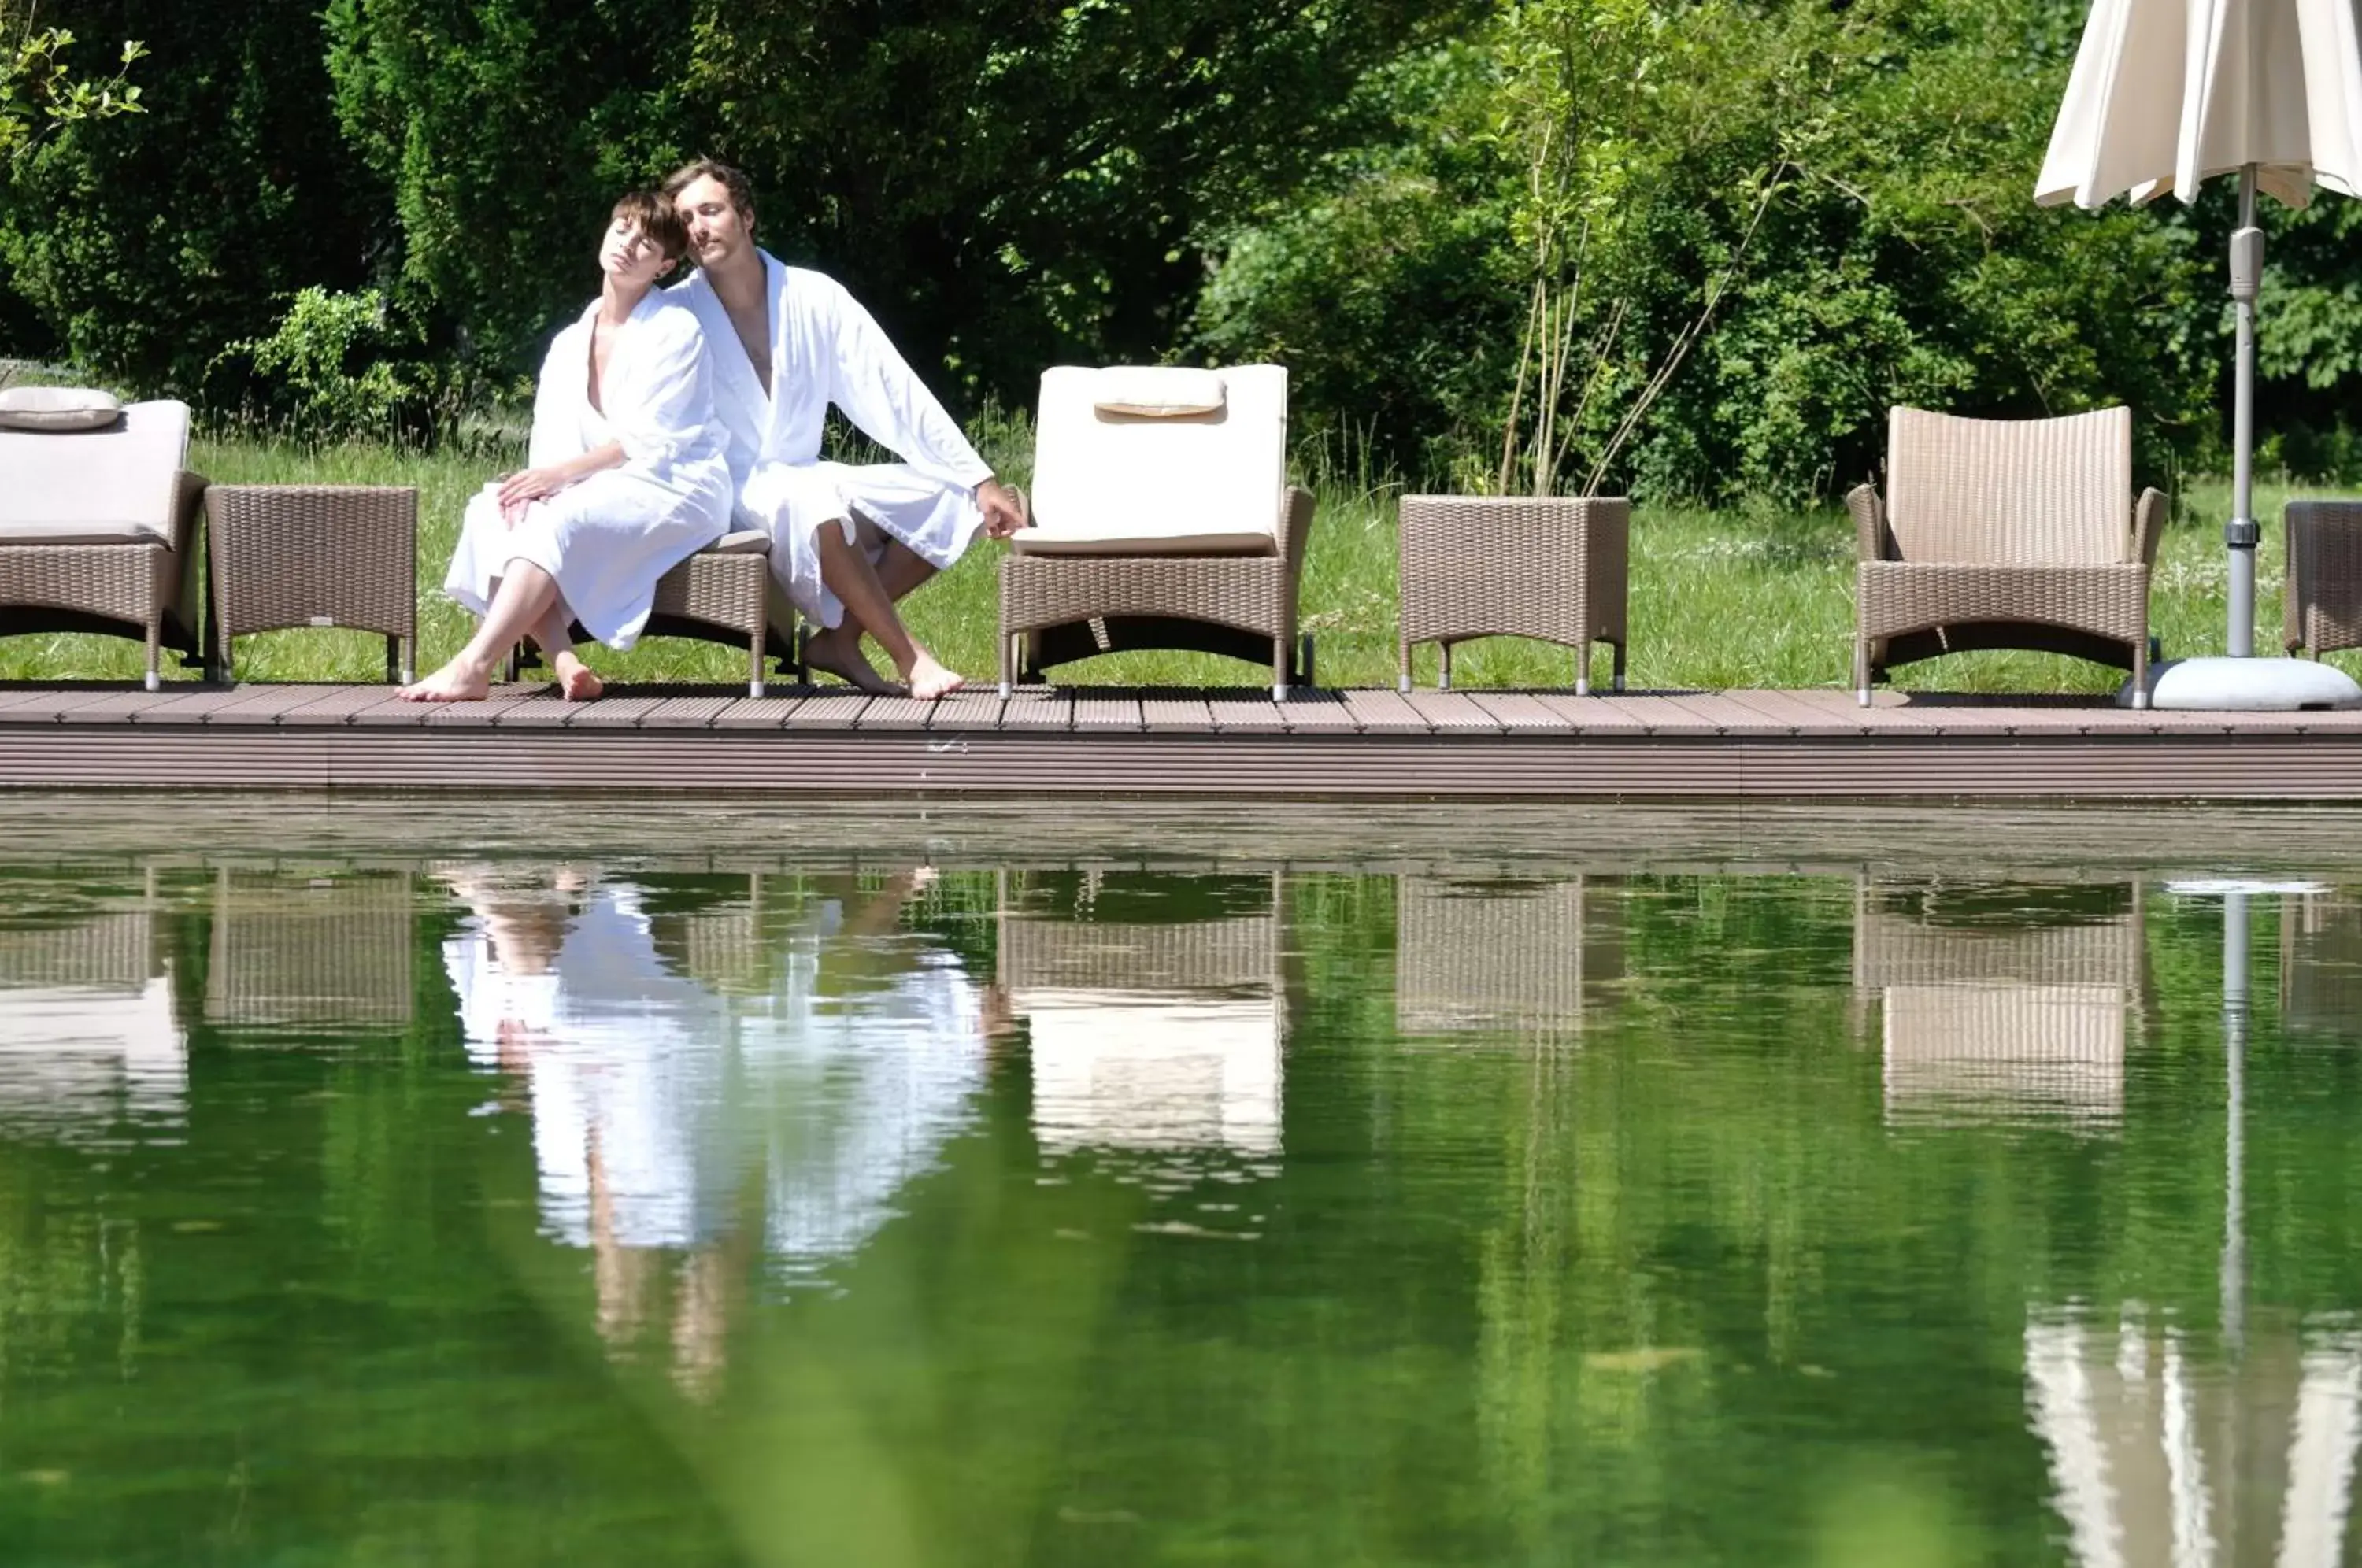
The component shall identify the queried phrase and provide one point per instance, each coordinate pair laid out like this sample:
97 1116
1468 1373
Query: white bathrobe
825 348
608 539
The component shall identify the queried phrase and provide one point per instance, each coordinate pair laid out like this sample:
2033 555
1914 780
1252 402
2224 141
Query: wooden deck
1794 745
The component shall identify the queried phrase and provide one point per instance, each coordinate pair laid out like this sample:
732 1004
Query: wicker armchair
1164 519
2323 605
1150 1036
724 593
2005 533
99 531
2009 1002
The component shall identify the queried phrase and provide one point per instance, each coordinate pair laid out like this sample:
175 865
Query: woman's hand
529 485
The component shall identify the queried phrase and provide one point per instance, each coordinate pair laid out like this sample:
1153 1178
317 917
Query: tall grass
1718 599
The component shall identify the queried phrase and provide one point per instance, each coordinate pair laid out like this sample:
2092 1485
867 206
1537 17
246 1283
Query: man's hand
527 485
1003 515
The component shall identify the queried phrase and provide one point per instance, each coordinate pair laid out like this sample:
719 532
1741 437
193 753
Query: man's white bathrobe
608 539
825 348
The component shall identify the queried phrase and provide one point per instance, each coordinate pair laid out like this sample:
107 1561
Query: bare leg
578 681
846 570
525 594
901 570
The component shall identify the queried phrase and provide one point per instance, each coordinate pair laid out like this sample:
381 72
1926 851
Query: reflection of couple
662 417
661 1107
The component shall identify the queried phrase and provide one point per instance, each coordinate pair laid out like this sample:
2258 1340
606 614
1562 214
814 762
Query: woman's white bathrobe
608 539
825 348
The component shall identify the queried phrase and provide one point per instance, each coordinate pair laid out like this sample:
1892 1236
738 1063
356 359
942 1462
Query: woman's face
630 257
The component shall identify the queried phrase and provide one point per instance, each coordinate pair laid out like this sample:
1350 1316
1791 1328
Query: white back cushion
1098 475
111 486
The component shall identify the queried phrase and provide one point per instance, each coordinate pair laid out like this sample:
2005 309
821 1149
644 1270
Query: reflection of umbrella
2166 94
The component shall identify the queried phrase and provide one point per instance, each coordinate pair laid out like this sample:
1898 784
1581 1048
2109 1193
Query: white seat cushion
114 486
1205 483
58 408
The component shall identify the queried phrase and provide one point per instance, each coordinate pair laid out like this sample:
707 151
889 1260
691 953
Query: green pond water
583 1210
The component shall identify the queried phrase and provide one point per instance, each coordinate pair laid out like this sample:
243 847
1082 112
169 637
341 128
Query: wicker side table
308 555
1551 566
2324 576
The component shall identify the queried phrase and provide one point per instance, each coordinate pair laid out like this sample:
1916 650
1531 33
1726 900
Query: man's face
718 231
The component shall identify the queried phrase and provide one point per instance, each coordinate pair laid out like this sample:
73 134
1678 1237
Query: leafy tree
38 93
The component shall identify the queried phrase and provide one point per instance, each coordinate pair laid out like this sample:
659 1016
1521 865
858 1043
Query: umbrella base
2247 685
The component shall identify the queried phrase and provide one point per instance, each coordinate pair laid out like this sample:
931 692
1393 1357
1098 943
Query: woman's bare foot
579 682
839 655
930 681
455 682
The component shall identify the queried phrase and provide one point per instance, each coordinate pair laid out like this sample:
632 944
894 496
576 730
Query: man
847 541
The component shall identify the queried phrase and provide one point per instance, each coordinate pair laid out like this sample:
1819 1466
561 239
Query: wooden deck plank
333 706
689 713
265 702
1038 707
895 713
613 713
1792 714
1595 714
543 707
109 704
1518 712
1661 713
1246 716
1187 716
30 697
168 707
971 707
1451 711
1386 712
489 712
1316 712
831 708
1103 713
770 711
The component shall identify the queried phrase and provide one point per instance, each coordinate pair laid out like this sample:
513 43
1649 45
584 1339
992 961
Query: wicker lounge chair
2320 964
1150 1036
1162 519
724 593
89 1031
2006 534
99 533
2323 604
2024 1018
1512 958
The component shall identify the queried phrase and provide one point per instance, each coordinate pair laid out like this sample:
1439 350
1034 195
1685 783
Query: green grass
1719 600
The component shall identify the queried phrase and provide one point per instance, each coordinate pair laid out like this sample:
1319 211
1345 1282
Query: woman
628 475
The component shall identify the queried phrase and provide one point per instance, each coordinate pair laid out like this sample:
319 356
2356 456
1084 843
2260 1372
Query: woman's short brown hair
654 217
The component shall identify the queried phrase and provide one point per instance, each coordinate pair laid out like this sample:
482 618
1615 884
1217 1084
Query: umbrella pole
2241 534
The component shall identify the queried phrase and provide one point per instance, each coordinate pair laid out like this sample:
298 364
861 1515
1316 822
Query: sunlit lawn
1719 600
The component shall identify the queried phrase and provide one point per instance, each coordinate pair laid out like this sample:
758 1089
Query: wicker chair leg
755 663
409 664
1402 681
1279 652
1007 662
1444 675
1862 670
2140 672
1616 667
1582 670
155 652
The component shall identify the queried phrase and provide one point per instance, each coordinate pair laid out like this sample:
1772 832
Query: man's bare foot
579 682
930 681
840 655
455 682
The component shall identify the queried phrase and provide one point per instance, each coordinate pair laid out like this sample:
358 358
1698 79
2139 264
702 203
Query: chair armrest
188 505
1868 522
1295 527
2148 522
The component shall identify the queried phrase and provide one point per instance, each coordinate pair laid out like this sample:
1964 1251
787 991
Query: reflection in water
2003 1003
681 1064
2320 964
1495 955
325 948
1150 1034
88 1035
2160 1456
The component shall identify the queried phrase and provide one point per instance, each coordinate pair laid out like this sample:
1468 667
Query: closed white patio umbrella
2166 95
